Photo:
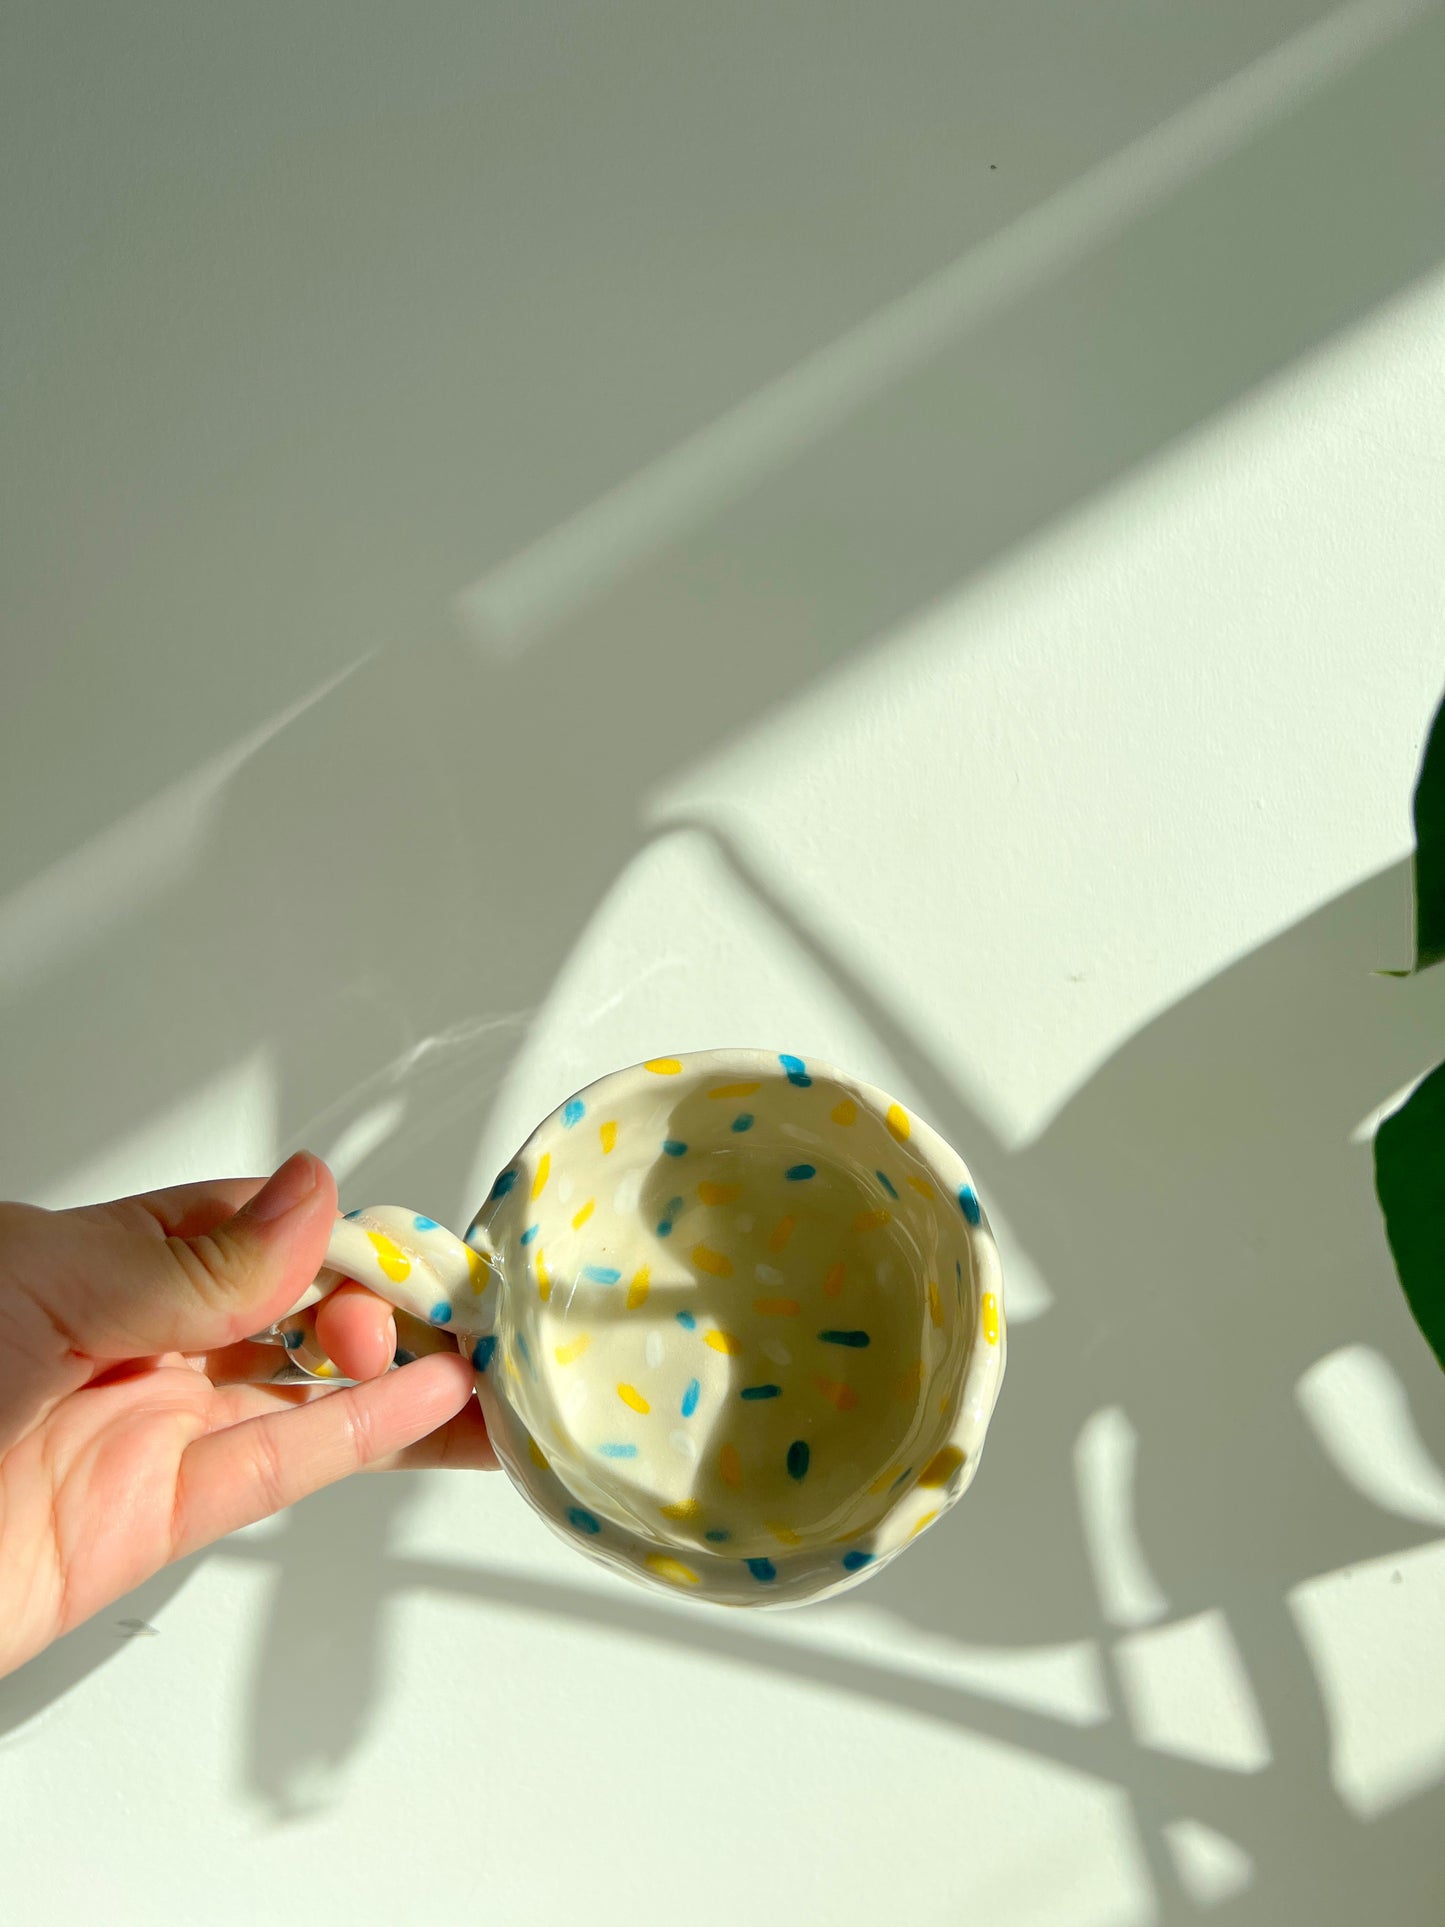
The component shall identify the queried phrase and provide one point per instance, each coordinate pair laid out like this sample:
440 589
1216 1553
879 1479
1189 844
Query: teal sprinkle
718 1536
799 1458
441 1314
674 1147
522 1348
504 1184
529 1234
573 1112
584 1521
743 1121
425 1224
618 1451
762 1570
482 1353
761 1391
601 1274
686 1320
800 1173
356 1213
669 1219
797 1071
858 1340
856 1560
884 1180
694 1390
969 1204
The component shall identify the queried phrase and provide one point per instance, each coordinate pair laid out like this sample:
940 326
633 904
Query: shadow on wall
1205 1226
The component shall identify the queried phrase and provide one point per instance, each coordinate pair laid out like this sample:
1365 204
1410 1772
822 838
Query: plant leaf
1430 849
1410 1183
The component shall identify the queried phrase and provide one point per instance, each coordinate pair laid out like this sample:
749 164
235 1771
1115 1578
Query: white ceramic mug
737 1322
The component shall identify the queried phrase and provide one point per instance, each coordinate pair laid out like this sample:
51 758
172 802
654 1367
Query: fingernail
287 1187
391 1338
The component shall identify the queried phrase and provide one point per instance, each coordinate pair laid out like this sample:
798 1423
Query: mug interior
739 1306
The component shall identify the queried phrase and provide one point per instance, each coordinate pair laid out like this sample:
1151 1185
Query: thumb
128 1290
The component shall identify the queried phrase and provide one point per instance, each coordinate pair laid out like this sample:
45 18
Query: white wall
537 536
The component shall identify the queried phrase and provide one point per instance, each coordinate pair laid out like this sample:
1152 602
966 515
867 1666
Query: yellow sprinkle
479 1272
569 1353
990 1317
843 1396
544 1277
784 1535
885 1479
580 1216
871 1220
664 1067
777 1307
845 1113
730 1466
941 1467
683 1509
724 1342
715 1262
718 1193
782 1231
630 1395
325 1369
537 1455
935 1303
512 1372
858 1532
672 1570
392 1259
544 1171
833 1283
734 1090
638 1289
921 1186
911 1382
927 1520
898 1122
608 1134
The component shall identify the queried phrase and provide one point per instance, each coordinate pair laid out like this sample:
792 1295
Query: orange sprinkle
871 1220
782 1231
833 1283
715 1262
730 1466
777 1307
718 1193
845 1397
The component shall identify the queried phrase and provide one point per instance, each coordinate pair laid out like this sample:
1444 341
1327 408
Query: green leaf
1410 1182
1430 849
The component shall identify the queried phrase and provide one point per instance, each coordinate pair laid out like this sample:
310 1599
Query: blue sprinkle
694 1391
356 1213
618 1451
855 1561
761 1391
798 1459
885 1181
762 1570
858 1340
294 1340
664 1229
799 1173
404 1357
686 1320
441 1314
572 1111
743 1121
601 1274
899 1480
674 1147
584 1521
969 1204
425 1224
529 1234
718 1536
504 1184
482 1352
522 1348
797 1071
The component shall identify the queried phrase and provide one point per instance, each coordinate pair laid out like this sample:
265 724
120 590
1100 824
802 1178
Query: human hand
136 1421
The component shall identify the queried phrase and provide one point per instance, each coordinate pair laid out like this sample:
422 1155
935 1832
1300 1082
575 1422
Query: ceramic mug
736 1319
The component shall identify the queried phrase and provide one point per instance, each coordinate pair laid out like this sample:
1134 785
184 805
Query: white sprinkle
776 1350
885 1272
576 1398
628 1193
766 1275
654 1349
684 1445
565 1188
744 1223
